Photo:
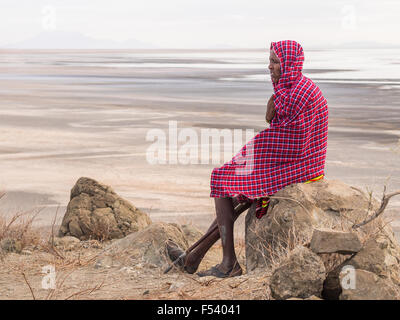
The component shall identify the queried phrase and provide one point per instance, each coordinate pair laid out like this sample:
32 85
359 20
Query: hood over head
291 56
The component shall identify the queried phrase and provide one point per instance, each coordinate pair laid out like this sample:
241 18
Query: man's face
274 67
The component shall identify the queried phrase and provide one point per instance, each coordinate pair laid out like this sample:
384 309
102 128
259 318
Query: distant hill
75 40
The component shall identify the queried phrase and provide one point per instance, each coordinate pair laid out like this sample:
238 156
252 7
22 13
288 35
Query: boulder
368 286
331 241
301 275
95 211
295 211
380 256
145 247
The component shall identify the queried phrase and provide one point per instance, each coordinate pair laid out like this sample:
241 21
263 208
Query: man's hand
270 110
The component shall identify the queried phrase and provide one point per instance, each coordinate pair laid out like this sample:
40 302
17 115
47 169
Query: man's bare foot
217 271
186 262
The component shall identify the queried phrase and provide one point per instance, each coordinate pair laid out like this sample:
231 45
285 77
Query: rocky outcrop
95 211
295 212
301 275
319 217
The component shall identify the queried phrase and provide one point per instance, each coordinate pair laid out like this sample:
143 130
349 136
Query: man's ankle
227 266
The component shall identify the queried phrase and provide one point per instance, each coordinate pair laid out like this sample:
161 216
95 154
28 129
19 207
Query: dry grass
275 253
19 228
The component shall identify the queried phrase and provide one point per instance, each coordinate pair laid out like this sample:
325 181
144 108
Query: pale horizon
190 25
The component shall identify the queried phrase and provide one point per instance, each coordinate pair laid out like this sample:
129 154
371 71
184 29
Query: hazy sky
205 23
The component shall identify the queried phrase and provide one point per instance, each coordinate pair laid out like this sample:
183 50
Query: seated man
291 150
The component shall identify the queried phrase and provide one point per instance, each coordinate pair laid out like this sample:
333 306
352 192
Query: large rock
146 247
380 256
295 212
301 275
368 286
95 211
331 241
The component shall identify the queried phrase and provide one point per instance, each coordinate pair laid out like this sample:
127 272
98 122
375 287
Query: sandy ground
78 277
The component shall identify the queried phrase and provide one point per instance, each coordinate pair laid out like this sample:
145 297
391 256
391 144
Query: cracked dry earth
78 277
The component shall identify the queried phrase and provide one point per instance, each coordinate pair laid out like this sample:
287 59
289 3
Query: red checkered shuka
292 149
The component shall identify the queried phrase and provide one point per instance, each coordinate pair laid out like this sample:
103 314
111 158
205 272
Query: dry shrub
19 228
279 250
100 231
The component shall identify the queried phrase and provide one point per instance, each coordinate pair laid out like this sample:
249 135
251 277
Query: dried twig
30 288
51 248
86 291
233 286
384 203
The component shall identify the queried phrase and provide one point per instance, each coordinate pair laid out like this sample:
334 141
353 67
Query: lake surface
362 66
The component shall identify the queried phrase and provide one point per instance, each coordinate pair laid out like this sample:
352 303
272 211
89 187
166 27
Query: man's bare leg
195 257
225 219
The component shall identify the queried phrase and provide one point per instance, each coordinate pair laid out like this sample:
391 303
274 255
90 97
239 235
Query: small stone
313 298
66 243
104 262
176 285
11 245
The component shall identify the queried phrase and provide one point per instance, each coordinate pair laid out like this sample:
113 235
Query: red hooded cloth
292 149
